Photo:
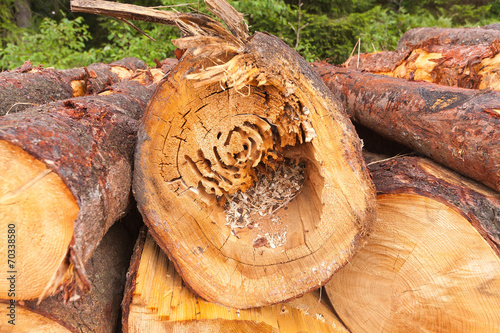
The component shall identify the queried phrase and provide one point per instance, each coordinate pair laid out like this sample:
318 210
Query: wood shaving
272 190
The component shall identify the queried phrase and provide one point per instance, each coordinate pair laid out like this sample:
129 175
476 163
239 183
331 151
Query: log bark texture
472 67
459 128
29 86
451 36
97 311
157 300
432 261
67 170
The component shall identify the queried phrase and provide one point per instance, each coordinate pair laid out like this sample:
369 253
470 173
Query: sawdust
272 190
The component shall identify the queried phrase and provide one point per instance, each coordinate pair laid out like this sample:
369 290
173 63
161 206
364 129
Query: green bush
330 31
59 45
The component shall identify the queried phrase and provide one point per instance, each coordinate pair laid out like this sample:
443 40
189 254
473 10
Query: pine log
451 36
97 311
473 67
432 262
66 178
28 86
494 26
248 172
459 128
157 300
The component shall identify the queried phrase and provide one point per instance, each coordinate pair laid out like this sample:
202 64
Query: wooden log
157 300
231 111
473 67
493 26
29 86
248 173
97 311
451 36
459 128
66 173
432 261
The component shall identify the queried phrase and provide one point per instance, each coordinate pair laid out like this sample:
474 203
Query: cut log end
26 320
28 192
431 261
251 183
442 275
160 302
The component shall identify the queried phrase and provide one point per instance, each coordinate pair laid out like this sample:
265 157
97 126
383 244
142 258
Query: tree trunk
66 176
23 13
459 128
97 311
157 300
432 261
247 172
473 67
28 86
452 36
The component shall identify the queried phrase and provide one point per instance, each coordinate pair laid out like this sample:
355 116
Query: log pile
465 58
261 211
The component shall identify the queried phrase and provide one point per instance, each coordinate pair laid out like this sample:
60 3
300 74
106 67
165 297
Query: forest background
47 33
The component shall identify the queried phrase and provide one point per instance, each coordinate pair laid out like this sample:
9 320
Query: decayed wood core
224 160
201 159
162 303
28 193
424 268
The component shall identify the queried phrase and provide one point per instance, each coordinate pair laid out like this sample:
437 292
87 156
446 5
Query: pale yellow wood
29 191
425 268
420 65
27 321
162 303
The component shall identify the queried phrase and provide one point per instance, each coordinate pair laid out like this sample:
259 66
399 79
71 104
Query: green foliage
330 28
124 41
57 44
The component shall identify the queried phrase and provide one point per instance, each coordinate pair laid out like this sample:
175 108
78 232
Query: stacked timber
253 187
432 261
96 311
457 127
157 300
66 178
466 58
29 86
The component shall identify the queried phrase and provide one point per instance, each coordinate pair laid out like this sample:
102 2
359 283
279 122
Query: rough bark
67 173
97 311
28 86
459 128
156 300
23 13
432 261
473 67
493 26
452 36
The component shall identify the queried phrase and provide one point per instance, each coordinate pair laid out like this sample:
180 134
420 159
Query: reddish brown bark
457 36
432 260
28 86
457 127
89 142
99 310
421 176
473 67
